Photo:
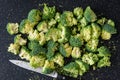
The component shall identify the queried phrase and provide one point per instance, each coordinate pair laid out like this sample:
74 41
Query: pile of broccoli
48 38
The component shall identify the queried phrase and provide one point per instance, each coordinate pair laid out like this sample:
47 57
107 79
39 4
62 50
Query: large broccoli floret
57 17
83 67
34 35
90 58
34 15
37 61
42 26
48 12
19 40
65 49
72 69
48 67
12 28
42 40
76 52
14 48
90 15
25 53
78 12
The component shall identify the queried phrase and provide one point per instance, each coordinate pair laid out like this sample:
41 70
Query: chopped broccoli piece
12 28
83 22
65 50
48 67
57 17
37 61
42 40
51 23
76 52
14 48
42 26
34 35
78 12
101 21
19 40
25 53
48 12
72 69
34 15
90 58
111 23
90 15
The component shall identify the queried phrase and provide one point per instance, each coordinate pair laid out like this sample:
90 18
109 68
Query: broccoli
67 19
76 52
83 22
37 61
90 58
48 67
48 12
72 69
101 21
78 12
105 61
83 67
42 26
14 48
91 45
12 28
65 49
25 53
34 15
57 16
42 40
19 40
51 23
103 52
34 35
59 59
111 23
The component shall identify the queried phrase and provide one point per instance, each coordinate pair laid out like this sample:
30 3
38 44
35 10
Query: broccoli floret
90 58
76 52
83 22
57 17
25 53
48 67
42 26
51 23
19 40
59 59
101 21
42 40
83 67
111 23
34 15
34 35
37 61
90 15
12 28
105 61
65 50
91 45
78 12
72 69
103 52
48 12
51 47
14 48
67 19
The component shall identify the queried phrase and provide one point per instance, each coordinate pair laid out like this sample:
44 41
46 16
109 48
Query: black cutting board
16 10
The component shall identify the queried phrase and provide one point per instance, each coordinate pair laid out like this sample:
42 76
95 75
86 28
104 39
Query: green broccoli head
42 26
42 40
48 67
90 58
72 69
102 21
76 52
90 15
19 40
34 35
12 28
78 12
14 48
57 16
37 61
25 53
34 15
48 12
65 49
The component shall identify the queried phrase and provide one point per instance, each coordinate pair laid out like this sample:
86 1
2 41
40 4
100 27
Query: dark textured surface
16 10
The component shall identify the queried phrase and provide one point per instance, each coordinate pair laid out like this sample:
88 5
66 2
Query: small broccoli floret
25 53
78 12
92 45
83 22
48 12
51 23
101 21
34 35
103 52
14 48
57 17
65 50
105 61
42 40
111 23
42 26
12 28
72 69
67 19
19 40
83 67
59 59
48 67
34 15
37 61
76 52
90 58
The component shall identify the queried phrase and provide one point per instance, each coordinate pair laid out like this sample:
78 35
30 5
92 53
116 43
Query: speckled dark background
16 10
